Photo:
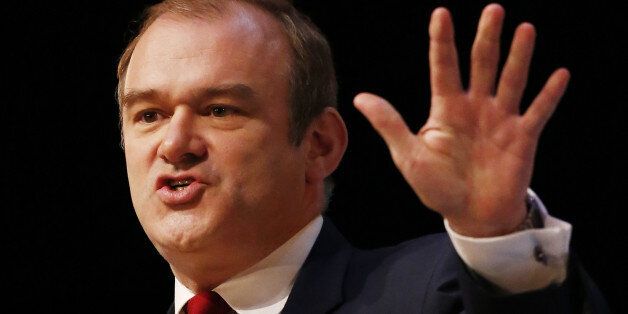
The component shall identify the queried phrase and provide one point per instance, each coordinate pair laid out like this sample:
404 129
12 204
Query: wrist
524 214
533 219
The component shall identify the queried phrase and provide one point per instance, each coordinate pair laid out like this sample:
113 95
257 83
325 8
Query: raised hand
472 161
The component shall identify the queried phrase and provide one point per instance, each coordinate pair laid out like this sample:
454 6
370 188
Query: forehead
238 24
239 44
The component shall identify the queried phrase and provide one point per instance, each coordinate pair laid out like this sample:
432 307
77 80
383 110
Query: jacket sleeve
577 294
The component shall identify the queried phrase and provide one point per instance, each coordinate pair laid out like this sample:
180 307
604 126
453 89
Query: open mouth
179 190
179 185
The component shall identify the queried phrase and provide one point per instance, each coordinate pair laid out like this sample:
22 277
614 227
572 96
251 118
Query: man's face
206 125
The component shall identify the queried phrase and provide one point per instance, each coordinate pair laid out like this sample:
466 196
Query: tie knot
207 303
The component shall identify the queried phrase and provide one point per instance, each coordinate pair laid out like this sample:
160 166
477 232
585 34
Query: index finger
444 71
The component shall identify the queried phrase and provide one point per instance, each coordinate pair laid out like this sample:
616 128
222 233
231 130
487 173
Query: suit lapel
318 286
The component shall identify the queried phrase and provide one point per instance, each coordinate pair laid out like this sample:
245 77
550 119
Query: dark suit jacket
424 275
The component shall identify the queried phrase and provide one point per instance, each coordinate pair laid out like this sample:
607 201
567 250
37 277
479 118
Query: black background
73 238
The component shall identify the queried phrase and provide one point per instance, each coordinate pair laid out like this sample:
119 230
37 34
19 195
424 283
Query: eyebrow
239 91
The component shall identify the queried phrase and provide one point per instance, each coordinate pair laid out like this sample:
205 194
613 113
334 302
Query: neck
204 271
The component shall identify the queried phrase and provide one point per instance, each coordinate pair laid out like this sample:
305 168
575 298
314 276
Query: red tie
207 303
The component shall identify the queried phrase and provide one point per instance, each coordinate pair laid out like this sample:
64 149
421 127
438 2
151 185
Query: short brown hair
312 81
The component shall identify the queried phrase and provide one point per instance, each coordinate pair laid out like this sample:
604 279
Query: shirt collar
265 286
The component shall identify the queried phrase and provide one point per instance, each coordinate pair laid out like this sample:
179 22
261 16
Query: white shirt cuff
522 261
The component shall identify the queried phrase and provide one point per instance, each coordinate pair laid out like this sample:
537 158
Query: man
230 131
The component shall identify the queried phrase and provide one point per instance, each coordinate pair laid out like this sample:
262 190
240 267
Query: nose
182 145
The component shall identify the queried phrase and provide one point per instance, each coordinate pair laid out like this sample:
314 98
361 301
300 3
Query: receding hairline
208 13
312 78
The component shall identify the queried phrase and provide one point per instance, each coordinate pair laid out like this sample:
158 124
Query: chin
180 242
183 233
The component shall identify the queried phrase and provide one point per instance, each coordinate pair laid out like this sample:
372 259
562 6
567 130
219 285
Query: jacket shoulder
414 276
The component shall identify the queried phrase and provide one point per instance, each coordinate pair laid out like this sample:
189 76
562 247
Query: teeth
179 184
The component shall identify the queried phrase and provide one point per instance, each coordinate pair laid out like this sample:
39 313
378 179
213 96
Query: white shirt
264 287
507 261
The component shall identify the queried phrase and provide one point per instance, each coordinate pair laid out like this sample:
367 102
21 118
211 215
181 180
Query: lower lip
180 197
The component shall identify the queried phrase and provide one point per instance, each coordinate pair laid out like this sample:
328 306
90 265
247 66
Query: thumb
385 119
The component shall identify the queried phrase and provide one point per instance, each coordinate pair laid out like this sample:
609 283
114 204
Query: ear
326 144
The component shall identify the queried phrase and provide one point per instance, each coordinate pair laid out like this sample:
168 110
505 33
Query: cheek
138 156
261 170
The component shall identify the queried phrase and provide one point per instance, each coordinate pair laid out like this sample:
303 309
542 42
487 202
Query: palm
472 161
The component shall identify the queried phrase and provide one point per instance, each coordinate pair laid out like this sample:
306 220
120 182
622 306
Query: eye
221 111
149 116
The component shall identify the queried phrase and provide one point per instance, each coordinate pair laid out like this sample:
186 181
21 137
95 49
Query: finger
385 119
515 74
444 72
485 51
546 102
